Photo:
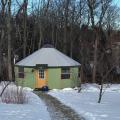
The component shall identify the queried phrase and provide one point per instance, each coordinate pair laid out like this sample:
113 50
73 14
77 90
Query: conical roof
50 56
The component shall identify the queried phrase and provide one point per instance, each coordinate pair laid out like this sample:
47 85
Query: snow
50 56
85 102
34 109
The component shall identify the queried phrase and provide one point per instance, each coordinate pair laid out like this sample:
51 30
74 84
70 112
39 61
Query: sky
116 2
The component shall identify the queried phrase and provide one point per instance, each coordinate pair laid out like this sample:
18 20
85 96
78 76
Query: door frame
39 82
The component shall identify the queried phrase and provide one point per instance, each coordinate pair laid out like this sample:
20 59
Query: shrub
14 94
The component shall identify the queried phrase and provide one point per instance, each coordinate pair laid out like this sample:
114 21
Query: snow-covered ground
34 109
85 102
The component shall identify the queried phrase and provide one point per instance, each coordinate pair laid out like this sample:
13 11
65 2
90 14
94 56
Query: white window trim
66 73
42 73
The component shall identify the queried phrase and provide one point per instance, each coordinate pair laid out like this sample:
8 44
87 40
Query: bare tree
94 6
10 77
4 2
95 57
25 27
66 4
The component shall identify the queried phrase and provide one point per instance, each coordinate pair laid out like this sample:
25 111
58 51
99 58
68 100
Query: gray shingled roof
50 56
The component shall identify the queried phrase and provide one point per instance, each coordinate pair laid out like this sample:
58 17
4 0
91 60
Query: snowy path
57 110
85 102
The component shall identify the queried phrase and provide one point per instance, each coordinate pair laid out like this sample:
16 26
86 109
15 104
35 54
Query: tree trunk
91 5
25 28
71 42
53 34
95 61
65 25
3 5
41 36
71 33
10 77
1 60
101 92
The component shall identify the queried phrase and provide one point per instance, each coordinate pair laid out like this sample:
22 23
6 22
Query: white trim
40 74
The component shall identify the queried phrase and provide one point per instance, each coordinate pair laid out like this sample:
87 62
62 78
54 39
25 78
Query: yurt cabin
47 67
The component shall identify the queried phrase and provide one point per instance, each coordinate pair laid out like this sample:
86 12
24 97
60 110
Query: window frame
41 72
21 72
79 72
65 73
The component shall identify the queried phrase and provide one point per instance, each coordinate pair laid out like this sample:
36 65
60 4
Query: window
65 73
41 74
79 69
21 72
